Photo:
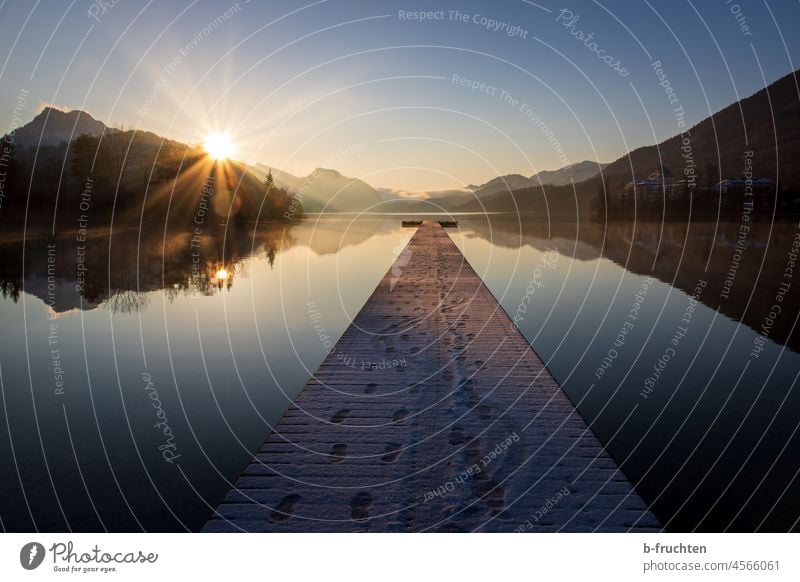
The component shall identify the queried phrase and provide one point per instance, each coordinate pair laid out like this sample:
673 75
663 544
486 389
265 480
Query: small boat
448 223
410 223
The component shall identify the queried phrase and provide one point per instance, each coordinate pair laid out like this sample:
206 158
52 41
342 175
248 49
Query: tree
51 174
603 192
8 163
268 182
111 159
84 149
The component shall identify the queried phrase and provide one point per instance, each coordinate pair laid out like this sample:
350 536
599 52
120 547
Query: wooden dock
432 414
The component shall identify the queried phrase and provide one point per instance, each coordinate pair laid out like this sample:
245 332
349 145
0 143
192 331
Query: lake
141 369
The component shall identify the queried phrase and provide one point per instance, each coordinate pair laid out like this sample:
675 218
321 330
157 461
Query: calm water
135 390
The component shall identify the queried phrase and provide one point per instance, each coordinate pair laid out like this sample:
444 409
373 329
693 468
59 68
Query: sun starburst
219 146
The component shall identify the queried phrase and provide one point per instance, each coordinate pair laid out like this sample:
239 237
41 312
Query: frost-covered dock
455 426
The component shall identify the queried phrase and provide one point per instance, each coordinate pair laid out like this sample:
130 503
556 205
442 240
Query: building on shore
746 186
660 184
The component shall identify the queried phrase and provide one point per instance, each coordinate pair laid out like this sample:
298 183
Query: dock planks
458 425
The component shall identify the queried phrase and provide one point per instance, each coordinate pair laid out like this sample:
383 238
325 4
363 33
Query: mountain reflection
120 268
745 269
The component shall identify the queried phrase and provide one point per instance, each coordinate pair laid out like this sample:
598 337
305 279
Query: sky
472 91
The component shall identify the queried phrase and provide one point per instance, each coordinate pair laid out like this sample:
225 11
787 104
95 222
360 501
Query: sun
219 146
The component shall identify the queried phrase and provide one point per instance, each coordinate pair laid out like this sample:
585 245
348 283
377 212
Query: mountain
506 183
53 132
326 190
281 178
767 124
81 163
395 194
55 127
577 172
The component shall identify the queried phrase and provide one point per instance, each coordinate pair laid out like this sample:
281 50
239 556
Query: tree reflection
119 268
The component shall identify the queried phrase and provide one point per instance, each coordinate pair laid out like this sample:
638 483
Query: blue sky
351 84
